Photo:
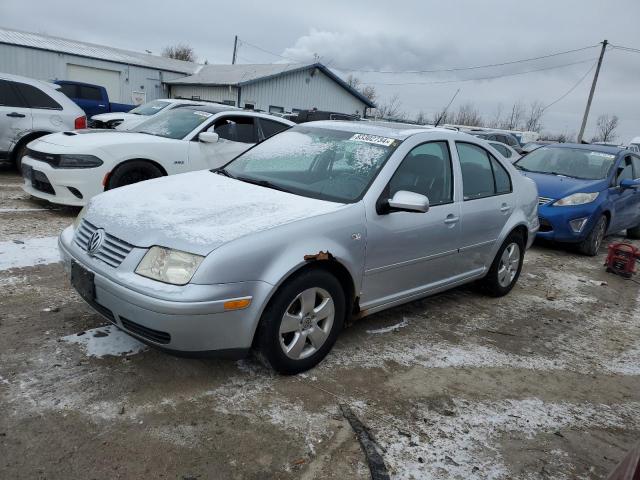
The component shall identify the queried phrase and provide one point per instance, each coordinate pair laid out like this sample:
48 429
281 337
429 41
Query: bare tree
532 121
442 117
468 115
421 118
513 118
392 109
606 128
180 51
369 91
496 119
353 81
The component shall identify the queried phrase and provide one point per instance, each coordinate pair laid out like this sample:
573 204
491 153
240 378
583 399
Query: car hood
557 186
107 117
197 211
89 139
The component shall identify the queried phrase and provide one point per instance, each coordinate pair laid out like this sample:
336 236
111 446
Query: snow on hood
197 211
85 139
558 186
107 117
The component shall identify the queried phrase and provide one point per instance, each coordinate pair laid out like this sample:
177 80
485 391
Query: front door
488 202
409 253
626 201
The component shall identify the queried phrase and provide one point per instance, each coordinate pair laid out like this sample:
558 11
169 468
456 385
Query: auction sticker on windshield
362 137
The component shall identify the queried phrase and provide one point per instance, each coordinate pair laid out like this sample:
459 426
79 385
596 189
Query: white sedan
134 117
69 168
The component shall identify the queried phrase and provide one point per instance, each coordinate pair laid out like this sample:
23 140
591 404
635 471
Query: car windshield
150 108
175 123
570 162
320 163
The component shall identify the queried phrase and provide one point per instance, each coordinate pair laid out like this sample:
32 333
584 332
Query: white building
129 77
272 88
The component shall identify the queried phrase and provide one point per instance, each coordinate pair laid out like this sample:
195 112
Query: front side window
636 167
569 162
8 95
425 170
150 108
625 170
236 129
36 98
176 123
320 163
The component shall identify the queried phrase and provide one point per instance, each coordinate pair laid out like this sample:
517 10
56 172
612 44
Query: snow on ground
391 328
107 340
33 251
465 441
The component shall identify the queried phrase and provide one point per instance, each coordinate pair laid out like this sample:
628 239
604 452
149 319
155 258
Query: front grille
544 200
40 182
149 333
50 158
113 251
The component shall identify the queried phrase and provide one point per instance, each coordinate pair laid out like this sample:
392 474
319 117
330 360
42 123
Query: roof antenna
444 112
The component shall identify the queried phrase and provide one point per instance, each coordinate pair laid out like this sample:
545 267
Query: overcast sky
397 36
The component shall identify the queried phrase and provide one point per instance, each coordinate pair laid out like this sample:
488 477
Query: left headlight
576 199
169 266
79 161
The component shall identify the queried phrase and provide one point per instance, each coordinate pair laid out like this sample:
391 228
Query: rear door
46 113
15 117
626 201
488 201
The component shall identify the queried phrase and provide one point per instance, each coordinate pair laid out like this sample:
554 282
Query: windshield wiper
222 171
263 183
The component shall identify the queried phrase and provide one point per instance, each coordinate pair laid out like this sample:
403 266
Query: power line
571 89
625 49
492 77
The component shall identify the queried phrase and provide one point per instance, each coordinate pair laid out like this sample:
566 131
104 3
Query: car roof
399 131
591 147
28 80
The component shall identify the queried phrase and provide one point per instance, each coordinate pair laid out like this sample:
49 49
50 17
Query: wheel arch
28 137
129 160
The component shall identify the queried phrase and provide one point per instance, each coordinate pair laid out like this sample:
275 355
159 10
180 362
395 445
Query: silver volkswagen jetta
321 222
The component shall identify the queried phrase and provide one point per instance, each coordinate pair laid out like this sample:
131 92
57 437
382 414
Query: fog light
238 304
578 224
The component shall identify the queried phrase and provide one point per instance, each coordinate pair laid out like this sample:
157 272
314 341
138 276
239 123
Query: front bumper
198 324
65 186
555 222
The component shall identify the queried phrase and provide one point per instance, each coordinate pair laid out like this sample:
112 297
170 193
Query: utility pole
593 89
235 50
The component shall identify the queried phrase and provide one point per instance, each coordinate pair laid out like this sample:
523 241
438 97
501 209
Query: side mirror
405 201
627 183
208 137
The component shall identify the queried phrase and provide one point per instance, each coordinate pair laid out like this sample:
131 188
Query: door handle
451 219
505 208
16 115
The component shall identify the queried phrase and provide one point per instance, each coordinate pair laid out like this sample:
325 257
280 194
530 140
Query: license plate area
83 281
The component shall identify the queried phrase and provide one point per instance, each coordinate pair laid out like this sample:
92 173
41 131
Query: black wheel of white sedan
506 267
302 322
133 172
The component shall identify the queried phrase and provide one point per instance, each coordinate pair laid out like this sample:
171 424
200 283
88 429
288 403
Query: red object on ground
622 258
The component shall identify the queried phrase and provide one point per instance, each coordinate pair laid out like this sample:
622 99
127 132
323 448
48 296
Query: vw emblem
95 241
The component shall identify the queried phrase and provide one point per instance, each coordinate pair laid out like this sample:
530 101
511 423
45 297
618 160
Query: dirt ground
543 383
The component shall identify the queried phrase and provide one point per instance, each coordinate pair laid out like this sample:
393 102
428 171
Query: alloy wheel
307 323
509 261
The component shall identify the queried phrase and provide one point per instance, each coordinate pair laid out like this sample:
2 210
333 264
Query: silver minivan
321 222
29 109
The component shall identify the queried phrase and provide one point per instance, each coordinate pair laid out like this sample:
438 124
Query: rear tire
506 267
133 172
301 323
591 245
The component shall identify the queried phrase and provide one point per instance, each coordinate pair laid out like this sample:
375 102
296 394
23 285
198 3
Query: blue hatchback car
585 192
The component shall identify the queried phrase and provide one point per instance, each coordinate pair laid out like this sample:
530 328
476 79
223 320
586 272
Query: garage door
109 79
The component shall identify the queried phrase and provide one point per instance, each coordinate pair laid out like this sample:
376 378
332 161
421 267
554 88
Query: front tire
591 245
133 172
301 323
506 267
19 155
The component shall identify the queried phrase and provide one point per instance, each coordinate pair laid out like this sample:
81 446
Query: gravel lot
544 383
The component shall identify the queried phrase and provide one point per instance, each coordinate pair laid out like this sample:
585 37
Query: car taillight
80 123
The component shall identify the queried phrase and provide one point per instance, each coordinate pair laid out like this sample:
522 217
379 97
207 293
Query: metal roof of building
90 50
243 74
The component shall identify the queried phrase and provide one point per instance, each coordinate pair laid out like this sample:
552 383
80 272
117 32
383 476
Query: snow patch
391 328
107 340
34 251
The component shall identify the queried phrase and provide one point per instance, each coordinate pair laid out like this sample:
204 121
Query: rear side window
270 128
236 129
502 149
90 93
36 98
636 167
8 95
482 174
69 90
